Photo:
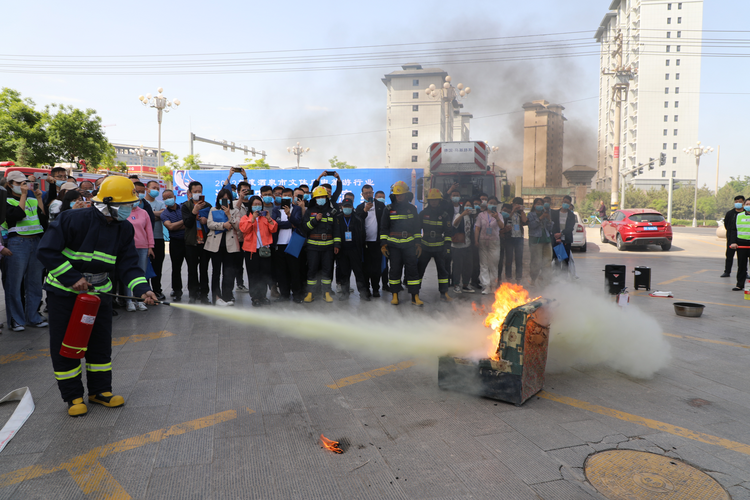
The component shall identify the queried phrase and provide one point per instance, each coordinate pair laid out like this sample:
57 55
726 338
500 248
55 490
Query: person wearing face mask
319 227
223 244
400 242
463 225
740 241
454 198
56 178
730 224
72 200
479 207
25 221
288 217
504 235
56 205
194 217
563 225
242 204
140 189
514 247
157 206
333 195
80 250
487 239
436 237
277 196
540 250
144 246
171 217
258 227
349 246
371 212
267 196
348 196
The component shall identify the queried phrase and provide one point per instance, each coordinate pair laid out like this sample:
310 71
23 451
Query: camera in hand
330 173
263 213
286 203
201 198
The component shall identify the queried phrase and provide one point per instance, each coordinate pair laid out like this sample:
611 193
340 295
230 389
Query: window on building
678 48
415 83
669 6
666 76
667 62
679 34
666 118
666 90
674 159
677 104
415 133
677 62
668 48
666 131
676 76
677 90
674 145
415 107
663 173
414 120
679 20
666 104
665 146
669 20
414 159
415 145
675 131
415 95
669 34
675 117
679 6
674 173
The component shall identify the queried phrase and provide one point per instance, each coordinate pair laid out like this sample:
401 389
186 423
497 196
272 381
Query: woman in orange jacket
258 227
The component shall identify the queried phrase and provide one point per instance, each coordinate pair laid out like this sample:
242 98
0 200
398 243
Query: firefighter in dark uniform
436 238
318 223
79 250
349 247
400 238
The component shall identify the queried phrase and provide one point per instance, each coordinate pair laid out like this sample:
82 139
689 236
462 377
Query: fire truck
462 163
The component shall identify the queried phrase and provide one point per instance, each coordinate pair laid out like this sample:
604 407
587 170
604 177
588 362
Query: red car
637 227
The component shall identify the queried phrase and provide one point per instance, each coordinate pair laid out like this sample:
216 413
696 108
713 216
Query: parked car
579 235
636 227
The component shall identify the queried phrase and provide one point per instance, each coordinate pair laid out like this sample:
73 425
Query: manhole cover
636 475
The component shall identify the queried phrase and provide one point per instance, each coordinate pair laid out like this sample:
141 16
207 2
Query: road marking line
721 342
85 462
647 422
707 282
377 372
709 243
95 480
27 356
701 271
673 280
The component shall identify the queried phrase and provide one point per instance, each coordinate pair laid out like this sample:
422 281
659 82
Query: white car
579 235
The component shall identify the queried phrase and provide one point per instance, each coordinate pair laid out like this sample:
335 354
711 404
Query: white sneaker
230 303
141 306
130 306
456 289
485 291
220 302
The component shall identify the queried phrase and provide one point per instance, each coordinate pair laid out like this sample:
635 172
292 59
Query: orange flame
329 444
507 297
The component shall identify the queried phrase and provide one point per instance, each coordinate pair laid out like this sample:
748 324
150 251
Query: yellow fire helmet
400 188
434 194
319 191
116 189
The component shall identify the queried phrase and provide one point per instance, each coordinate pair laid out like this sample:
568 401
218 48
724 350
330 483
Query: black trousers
224 268
475 267
373 260
501 263
98 356
462 265
350 261
287 272
157 263
743 254
319 269
404 259
197 261
259 274
239 275
514 252
730 258
440 261
177 256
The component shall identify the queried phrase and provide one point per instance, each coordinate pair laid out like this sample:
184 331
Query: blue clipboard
150 273
294 247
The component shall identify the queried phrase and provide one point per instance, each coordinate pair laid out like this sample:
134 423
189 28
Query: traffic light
640 170
662 159
650 163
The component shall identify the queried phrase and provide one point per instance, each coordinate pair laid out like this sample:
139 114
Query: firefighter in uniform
319 226
400 238
436 239
79 250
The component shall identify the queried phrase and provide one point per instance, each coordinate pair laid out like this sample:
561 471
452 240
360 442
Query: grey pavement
223 410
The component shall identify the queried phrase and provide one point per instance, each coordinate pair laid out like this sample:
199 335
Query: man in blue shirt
171 217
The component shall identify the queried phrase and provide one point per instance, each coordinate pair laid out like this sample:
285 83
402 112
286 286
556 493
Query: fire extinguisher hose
139 299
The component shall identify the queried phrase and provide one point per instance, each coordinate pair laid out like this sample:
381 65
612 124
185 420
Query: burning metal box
516 372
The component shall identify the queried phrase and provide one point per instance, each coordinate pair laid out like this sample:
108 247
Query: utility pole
718 153
622 82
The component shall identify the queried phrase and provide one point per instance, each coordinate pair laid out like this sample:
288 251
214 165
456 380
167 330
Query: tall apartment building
128 153
416 120
543 125
662 42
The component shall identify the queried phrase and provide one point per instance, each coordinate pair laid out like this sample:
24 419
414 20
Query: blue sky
273 110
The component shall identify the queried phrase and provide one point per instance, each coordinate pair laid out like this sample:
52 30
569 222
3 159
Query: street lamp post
447 94
141 152
298 151
697 151
162 105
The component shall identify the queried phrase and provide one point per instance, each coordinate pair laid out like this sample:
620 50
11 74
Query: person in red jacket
258 227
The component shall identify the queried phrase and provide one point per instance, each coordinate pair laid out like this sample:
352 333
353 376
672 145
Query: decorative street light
298 151
141 152
447 94
697 151
162 104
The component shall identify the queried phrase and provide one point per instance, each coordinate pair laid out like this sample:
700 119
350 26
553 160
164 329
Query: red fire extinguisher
79 329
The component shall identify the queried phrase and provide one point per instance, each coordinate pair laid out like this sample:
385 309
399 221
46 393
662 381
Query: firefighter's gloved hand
419 250
384 251
149 298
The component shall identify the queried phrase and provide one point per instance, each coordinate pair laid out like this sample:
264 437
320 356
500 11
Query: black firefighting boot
77 408
415 300
394 300
107 399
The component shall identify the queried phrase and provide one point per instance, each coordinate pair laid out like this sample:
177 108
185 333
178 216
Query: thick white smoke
588 329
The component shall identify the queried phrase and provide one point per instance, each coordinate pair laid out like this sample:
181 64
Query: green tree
707 207
75 134
21 124
121 166
24 156
107 161
259 164
191 162
727 192
336 164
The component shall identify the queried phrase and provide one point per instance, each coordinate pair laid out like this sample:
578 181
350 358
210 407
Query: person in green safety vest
25 222
741 242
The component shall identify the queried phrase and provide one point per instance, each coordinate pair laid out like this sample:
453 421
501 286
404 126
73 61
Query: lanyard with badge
347 233
488 231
